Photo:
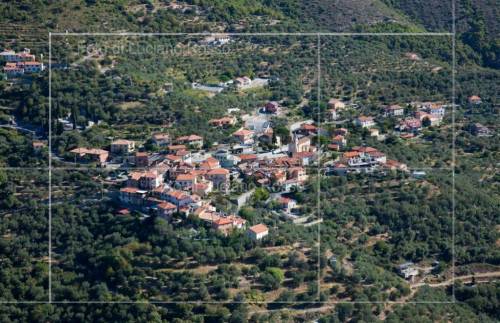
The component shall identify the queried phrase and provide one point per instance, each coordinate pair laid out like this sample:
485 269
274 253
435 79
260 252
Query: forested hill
477 23
436 15
246 15
25 23
202 15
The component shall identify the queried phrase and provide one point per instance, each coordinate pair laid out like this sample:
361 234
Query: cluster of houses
361 159
365 160
20 63
181 178
427 114
183 175
176 186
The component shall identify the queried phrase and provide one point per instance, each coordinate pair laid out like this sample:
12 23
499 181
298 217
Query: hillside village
20 63
249 161
177 177
262 166
181 174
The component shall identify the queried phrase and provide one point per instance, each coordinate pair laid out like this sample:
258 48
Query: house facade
132 195
336 104
299 144
394 110
244 136
122 146
191 140
364 121
220 178
257 232
161 139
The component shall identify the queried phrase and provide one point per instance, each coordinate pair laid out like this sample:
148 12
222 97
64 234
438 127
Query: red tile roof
129 189
123 211
218 171
167 206
161 136
190 138
222 221
122 142
350 154
259 228
306 126
333 147
185 177
209 163
245 157
365 118
178 195
243 132
177 147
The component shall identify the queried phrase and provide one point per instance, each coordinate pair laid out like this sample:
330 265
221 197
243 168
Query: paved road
17 128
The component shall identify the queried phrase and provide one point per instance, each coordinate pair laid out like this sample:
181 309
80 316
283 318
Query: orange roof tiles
185 177
333 147
178 195
189 138
177 147
122 142
364 149
90 151
243 132
351 154
303 154
218 171
209 163
259 228
161 136
173 157
167 206
200 186
245 157
222 221
306 126
129 189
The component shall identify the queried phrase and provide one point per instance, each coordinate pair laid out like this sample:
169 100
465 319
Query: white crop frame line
318 160
252 34
226 302
318 35
88 169
454 136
